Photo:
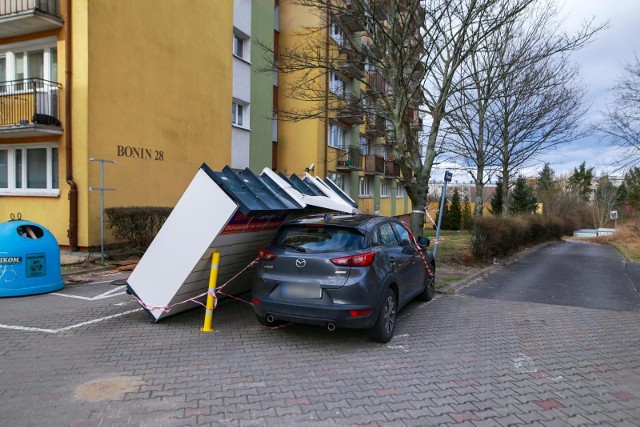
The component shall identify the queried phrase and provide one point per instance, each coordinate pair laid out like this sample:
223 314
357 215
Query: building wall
50 211
260 150
157 96
299 143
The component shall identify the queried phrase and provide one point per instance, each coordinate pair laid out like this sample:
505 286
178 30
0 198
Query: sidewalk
76 263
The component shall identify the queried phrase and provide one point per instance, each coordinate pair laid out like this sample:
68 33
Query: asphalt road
572 274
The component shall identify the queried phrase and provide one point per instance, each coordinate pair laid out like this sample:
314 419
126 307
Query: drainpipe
72 232
326 92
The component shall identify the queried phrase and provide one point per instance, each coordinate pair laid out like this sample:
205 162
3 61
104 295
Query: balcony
373 165
374 125
29 107
376 83
391 168
350 18
349 158
353 65
19 17
351 112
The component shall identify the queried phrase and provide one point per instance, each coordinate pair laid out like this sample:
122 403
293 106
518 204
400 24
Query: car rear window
311 239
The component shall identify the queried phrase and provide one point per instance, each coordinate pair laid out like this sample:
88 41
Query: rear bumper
313 314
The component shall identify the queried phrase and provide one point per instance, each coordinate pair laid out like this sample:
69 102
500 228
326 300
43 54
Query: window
336 32
312 240
29 169
384 188
400 191
341 181
365 187
337 136
239 114
29 61
241 46
383 235
403 234
337 84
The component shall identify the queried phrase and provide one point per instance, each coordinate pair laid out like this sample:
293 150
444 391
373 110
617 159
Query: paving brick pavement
458 360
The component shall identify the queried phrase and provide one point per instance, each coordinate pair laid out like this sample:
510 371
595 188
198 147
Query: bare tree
407 53
604 201
622 119
523 99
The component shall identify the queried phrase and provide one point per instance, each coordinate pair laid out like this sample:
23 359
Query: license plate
298 291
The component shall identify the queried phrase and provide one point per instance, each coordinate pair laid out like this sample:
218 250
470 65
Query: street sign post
102 189
447 178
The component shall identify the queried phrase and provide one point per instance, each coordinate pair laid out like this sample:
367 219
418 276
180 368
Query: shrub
137 225
495 236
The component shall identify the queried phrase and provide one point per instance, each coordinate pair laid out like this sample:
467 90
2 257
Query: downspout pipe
72 231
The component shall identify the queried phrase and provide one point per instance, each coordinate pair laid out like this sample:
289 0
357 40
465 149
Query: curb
86 271
453 288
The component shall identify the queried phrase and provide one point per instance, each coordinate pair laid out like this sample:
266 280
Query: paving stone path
458 360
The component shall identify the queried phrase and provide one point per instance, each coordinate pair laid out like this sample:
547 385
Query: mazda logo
301 262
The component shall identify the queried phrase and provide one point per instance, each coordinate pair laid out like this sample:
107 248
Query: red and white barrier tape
167 308
424 258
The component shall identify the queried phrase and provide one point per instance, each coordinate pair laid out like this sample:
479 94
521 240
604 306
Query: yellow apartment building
159 87
148 84
346 146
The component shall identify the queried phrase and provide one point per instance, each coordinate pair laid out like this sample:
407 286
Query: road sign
447 176
613 214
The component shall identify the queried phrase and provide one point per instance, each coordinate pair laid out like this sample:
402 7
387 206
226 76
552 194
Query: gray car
348 271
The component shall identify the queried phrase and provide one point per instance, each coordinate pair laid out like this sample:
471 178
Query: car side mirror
423 242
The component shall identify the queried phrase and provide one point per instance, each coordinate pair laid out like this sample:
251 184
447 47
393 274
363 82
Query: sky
601 65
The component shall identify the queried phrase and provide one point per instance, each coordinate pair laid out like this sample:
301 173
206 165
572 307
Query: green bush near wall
136 225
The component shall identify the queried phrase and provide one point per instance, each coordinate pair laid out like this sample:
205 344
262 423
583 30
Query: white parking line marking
104 295
67 328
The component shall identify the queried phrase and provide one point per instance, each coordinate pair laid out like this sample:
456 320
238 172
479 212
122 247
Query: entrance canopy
234 213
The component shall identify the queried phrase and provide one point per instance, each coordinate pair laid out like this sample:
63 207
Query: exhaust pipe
270 318
331 327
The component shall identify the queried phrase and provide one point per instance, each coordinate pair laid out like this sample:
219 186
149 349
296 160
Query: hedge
495 236
136 225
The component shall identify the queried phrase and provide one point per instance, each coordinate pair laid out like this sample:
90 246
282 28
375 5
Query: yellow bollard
213 278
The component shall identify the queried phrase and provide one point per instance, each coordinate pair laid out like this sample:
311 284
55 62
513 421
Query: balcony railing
18 17
377 83
374 164
391 168
28 102
52 7
349 158
352 65
351 111
375 125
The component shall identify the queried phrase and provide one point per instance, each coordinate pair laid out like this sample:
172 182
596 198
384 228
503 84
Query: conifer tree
455 212
523 201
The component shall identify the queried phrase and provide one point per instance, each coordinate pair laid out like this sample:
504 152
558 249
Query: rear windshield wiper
295 248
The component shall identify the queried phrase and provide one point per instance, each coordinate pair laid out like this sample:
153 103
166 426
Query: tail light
266 255
359 313
360 260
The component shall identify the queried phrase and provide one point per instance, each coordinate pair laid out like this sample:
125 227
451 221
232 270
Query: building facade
342 141
159 87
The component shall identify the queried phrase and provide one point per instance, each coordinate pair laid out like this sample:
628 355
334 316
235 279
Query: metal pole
213 279
447 178
102 189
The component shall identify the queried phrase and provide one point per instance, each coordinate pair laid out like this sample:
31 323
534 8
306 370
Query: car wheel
382 331
429 286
